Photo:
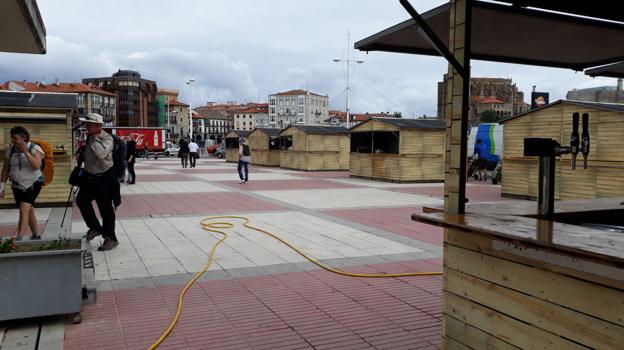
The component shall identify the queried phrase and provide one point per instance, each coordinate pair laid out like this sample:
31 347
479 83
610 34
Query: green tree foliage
490 116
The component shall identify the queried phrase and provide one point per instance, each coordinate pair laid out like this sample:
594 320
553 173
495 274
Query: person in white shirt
193 152
22 163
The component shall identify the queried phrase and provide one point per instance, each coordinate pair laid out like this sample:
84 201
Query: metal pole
167 123
546 195
190 110
348 62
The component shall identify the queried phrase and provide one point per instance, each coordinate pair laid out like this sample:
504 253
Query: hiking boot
91 234
108 245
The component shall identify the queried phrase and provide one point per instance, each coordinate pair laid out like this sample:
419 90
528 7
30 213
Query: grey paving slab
52 334
21 336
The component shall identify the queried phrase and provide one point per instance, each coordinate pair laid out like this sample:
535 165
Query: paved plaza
258 294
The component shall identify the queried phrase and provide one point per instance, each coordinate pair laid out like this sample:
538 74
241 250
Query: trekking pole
66 205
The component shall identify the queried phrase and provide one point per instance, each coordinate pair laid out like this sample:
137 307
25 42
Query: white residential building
297 107
253 117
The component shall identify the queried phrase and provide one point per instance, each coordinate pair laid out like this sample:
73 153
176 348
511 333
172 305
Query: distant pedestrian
131 158
244 157
193 152
183 153
482 151
146 151
100 183
22 163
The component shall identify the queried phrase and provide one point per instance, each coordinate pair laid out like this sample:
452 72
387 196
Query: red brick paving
478 193
396 220
267 185
162 177
207 170
7 230
323 174
189 203
304 310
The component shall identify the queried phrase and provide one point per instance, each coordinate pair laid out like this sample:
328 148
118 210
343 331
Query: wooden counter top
509 221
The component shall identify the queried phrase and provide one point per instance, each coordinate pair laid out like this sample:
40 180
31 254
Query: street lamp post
348 60
189 82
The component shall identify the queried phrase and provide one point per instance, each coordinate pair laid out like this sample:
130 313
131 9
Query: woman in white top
22 163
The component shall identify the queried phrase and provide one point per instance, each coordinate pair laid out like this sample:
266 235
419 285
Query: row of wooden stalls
391 149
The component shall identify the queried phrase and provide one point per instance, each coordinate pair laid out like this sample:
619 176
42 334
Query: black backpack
120 151
246 150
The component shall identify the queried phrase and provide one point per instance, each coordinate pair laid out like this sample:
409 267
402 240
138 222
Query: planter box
44 283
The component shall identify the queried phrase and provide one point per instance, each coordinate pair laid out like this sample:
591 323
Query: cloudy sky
243 50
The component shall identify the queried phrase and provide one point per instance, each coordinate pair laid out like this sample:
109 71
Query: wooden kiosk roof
408 123
615 107
318 129
273 132
238 133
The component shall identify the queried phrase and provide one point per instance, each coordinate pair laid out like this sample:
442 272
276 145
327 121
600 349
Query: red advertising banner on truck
154 138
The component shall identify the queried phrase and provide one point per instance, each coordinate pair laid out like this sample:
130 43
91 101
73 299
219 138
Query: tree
489 116
397 115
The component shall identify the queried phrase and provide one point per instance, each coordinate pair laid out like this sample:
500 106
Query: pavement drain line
210 225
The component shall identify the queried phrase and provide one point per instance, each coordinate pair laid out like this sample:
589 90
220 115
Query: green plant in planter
7 246
58 244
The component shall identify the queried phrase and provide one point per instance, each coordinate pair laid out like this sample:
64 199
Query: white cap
93 118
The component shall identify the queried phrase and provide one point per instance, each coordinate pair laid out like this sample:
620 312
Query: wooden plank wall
316 152
500 299
231 155
56 134
420 158
605 174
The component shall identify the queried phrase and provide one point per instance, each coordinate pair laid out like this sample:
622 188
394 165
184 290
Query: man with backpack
100 184
244 153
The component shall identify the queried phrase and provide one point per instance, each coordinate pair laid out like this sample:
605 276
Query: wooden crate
260 153
57 132
601 179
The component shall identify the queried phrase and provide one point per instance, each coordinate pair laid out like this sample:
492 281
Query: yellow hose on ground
216 227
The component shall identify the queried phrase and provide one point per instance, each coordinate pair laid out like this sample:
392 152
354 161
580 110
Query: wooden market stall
47 116
604 176
265 146
314 147
399 150
231 144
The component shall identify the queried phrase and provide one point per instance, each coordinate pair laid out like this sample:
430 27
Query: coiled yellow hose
217 227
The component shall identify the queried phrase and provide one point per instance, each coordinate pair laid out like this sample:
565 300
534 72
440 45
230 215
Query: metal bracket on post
428 34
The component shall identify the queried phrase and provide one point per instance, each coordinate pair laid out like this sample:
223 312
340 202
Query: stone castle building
500 93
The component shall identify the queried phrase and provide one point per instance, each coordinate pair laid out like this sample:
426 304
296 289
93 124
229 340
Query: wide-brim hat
92 118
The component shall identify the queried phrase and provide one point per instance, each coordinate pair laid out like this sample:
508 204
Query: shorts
29 195
481 163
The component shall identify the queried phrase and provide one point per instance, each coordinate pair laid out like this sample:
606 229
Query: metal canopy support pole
458 95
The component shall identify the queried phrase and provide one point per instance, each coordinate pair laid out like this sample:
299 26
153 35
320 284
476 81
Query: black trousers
101 190
131 172
193 157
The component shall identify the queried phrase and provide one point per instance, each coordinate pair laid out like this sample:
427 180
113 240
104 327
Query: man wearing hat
97 155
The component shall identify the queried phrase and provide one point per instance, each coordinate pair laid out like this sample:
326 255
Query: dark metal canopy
615 70
512 34
21 27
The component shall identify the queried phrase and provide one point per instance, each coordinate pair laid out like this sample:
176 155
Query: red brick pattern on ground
323 174
396 220
7 230
163 177
303 184
207 170
209 203
305 310
478 193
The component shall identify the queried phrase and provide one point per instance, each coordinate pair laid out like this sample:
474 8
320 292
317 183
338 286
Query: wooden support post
457 105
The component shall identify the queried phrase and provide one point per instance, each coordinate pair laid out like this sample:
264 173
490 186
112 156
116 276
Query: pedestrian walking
100 182
183 153
244 157
131 158
193 152
22 164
